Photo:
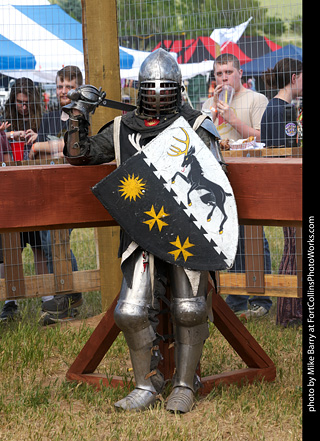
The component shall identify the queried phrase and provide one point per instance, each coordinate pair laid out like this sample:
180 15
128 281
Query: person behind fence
240 119
23 112
286 77
63 306
159 105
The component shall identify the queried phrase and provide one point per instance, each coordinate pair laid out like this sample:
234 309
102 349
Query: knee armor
190 319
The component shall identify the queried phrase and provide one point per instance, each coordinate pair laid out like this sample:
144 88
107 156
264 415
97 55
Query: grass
37 403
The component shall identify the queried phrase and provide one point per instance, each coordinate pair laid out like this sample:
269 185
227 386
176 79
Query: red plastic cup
17 149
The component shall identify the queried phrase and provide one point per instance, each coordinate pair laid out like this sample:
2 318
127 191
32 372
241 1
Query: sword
117 105
87 98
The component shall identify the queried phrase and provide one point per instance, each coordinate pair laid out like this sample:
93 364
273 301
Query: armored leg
131 315
189 314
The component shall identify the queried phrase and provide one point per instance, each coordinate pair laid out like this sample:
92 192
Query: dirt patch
91 322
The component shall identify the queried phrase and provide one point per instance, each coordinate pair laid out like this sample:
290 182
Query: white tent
187 70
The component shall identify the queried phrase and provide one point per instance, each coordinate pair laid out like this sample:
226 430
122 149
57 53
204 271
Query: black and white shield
174 200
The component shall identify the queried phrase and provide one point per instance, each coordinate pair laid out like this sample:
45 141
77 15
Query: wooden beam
98 344
51 197
103 70
14 283
267 192
276 285
254 259
44 284
62 266
103 60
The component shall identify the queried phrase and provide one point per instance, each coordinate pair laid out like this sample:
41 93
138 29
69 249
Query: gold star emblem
181 248
156 218
132 187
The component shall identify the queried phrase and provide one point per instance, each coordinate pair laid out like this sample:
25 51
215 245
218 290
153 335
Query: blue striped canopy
14 57
55 20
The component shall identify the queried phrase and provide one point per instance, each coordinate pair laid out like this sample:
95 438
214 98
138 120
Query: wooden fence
268 191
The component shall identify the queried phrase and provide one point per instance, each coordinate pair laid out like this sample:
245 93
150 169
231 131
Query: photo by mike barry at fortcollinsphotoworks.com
310 337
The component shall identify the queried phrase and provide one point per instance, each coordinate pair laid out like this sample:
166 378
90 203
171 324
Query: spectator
286 76
52 126
23 110
239 120
59 307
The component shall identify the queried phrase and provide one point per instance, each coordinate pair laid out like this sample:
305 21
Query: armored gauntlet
85 99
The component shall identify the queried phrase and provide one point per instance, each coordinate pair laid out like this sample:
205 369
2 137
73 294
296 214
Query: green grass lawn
37 403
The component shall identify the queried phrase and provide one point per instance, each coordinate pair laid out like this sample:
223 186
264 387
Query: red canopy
200 49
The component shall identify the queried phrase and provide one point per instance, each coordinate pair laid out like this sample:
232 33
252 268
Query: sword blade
117 105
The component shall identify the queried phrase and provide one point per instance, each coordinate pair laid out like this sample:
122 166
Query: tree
193 18
71 7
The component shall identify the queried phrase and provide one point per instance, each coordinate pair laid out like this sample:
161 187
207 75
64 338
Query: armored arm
209 134
80 149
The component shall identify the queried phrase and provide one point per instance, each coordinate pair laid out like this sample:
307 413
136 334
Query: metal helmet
159 84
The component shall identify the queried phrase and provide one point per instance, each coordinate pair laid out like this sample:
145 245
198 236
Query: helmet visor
159 97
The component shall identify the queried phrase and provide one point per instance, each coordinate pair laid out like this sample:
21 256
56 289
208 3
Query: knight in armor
145 276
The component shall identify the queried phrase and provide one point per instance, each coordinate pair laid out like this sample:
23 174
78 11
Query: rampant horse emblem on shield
215 195
173 199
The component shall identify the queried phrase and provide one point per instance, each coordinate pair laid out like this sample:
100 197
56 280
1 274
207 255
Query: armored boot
189 340
145 394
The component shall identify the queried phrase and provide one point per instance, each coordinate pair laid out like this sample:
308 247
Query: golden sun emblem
132 187
156 218
181 248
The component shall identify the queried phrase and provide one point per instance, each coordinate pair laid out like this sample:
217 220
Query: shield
174 200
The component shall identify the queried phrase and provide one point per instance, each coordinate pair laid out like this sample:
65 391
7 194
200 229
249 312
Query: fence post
103 69
13 268
254 259
62 266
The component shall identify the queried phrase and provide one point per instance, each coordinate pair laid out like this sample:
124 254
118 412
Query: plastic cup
226 94
54 148
17 149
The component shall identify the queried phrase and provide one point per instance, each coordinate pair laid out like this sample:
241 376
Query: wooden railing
268 191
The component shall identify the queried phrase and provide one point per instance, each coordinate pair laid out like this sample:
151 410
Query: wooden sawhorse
260 366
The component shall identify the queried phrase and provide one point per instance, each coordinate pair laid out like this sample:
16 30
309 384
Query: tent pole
217 49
